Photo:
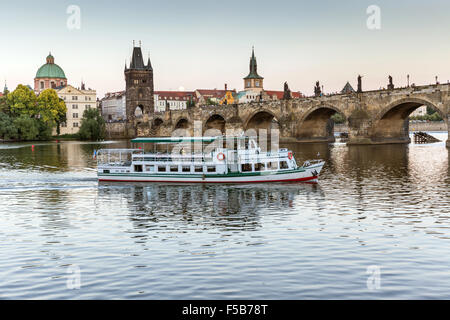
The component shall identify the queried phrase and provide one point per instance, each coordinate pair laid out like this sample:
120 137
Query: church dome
50 70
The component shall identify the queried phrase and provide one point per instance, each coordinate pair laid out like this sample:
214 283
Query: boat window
246 167
284 165
161 168
259 166
211 169
150 168
186 169
199 169
173 168
105 171
272 165
138 168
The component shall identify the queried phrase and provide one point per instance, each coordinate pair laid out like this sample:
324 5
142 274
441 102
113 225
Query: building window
75 124
248 83
75 115
136 81
74 106
257 83
42 84
62 83
87 106
63 125
74 98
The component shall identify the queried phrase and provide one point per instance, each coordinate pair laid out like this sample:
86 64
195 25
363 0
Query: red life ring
290 155
220 156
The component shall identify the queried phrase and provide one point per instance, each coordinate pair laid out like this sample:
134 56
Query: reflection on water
225 208
386 206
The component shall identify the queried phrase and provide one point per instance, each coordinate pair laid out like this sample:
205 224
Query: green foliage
22 101
8 130
27 117
211 102
28 128
92 126
338 118
435 116
51 108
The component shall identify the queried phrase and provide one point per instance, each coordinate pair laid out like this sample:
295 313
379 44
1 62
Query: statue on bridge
359 83
391 84
317 90
287 92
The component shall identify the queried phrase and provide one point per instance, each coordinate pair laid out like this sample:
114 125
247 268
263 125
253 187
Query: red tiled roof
173 95
280 94
213 93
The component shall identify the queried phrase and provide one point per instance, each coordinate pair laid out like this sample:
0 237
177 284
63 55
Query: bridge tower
139 86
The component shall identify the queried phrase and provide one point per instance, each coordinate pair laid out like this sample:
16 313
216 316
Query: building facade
50 75
77 100
173 100
113 106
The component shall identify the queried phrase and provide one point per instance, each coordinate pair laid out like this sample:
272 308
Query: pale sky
205 44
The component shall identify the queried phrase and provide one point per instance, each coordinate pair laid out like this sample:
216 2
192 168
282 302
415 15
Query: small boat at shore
243 162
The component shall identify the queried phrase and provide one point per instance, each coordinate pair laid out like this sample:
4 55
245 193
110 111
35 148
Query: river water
375 226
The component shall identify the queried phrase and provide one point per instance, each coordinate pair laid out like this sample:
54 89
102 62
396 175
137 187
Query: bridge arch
391 124
215 122
316 124
156 126
261 119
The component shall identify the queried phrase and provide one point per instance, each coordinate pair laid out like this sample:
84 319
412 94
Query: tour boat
244 162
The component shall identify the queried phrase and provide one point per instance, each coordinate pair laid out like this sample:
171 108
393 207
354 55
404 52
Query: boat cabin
207 157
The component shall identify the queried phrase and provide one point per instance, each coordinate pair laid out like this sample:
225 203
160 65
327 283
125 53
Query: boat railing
309 163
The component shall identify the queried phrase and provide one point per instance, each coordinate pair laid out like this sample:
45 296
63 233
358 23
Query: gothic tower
253 81
139 86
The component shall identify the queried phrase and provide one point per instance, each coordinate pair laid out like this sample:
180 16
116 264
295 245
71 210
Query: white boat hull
308 174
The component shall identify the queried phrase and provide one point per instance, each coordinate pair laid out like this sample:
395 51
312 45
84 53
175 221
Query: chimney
226 87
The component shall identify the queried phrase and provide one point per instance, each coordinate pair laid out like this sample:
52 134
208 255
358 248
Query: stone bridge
373 117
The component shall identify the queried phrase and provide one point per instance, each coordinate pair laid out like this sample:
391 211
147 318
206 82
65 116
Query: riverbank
413 126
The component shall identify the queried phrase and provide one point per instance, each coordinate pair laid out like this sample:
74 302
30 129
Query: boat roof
181 139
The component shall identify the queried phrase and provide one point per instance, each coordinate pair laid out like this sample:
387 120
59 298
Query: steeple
253 81
137 62
253 67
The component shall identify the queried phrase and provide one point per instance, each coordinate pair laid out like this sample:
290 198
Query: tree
7 128
28 128
92 125
52 109
22 101
338 118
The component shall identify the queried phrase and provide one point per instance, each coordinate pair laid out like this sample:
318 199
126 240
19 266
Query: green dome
50 70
